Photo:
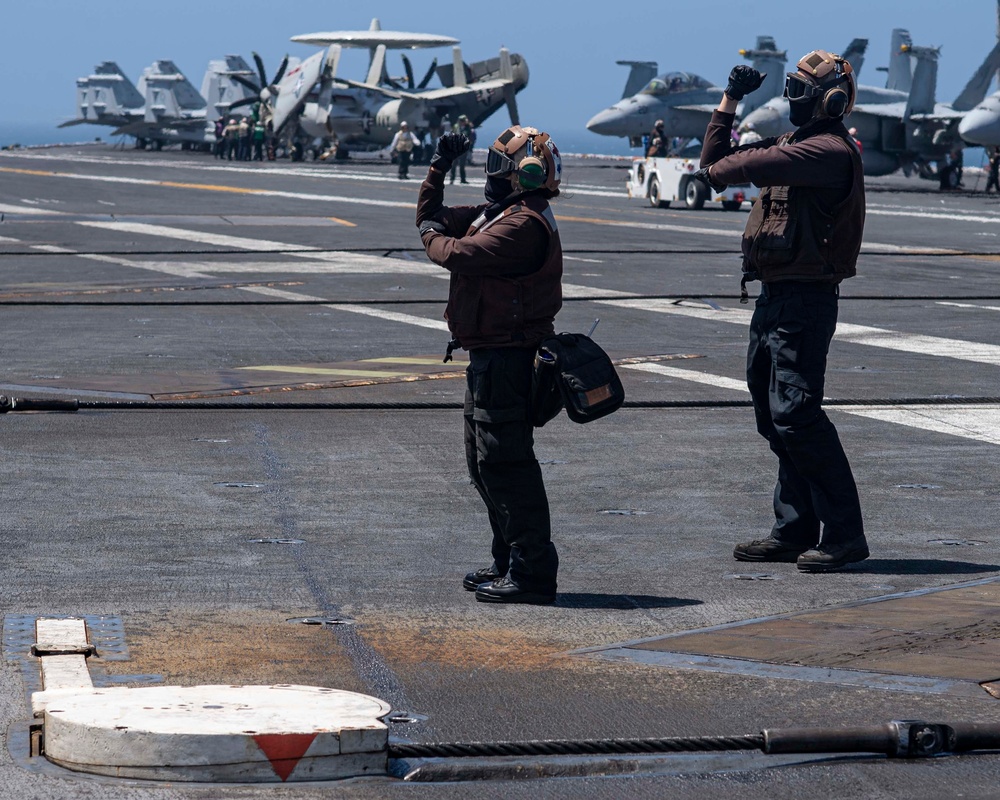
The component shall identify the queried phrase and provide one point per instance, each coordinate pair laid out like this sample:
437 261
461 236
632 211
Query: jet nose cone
607 122
767 121
981 126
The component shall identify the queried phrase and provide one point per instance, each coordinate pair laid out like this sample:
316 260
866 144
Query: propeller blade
430 74
393 83
260 68
249 84
246 101
409 70
281 70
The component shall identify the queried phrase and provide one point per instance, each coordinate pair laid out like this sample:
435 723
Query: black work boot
473 580
828 557
504 590
769 549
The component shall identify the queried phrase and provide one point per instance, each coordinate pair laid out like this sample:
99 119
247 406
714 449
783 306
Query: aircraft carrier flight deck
267 433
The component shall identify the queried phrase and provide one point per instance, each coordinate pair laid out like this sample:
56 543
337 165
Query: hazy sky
570 47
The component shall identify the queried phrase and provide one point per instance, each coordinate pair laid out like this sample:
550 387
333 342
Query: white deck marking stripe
969 305
937 346
365 265
981 423
8 209
219 239
695 376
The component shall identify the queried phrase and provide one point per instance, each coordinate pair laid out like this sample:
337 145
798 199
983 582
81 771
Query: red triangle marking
284 750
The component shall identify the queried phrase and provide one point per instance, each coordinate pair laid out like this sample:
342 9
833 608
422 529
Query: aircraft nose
607 122
767 121
980 126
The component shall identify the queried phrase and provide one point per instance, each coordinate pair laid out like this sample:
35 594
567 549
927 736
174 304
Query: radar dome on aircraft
374 36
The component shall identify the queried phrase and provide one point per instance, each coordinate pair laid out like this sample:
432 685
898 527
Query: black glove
431 225
702 174
743 80
449 148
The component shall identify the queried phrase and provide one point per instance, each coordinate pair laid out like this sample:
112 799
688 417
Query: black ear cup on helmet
835 102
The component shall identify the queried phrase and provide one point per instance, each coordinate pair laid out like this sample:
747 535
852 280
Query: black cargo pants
499 441
790 335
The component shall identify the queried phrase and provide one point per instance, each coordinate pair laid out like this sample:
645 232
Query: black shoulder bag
573 371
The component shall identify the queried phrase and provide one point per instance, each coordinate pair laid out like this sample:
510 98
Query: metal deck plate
948 634
264 378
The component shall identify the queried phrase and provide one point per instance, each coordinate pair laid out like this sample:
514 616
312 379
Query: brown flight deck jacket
808 222
506 273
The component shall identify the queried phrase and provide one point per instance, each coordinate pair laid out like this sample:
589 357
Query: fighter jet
683 100
165 107
905 130
313 101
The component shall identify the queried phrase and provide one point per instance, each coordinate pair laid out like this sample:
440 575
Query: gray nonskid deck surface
150 517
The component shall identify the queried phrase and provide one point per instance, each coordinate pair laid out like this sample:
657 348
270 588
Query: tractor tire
695 194
655 200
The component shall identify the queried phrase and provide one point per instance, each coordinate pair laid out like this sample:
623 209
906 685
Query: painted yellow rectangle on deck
350 373
403 360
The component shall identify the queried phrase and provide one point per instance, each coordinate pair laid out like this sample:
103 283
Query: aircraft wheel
654 195
695 194
731 205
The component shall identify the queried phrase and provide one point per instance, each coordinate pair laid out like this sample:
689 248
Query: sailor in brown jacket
802 239
505 260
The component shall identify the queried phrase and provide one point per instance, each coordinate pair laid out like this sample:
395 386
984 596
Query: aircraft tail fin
376 68
640 73
766 58
900 75
979 84
855 55
106 95
219 88
924 86
458 67
170 95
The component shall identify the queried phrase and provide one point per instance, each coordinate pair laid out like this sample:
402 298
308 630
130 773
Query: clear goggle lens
798 90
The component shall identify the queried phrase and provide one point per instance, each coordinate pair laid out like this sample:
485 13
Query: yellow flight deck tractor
663 181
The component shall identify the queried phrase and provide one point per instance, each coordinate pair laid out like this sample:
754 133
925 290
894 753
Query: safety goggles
498 164
799 90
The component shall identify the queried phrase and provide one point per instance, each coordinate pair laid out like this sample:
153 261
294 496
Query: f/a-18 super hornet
902 128
683 100
313 101
165 108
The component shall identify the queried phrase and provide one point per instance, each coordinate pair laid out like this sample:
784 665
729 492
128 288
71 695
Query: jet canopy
674 83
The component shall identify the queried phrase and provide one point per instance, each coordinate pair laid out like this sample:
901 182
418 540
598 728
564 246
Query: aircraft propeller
264 90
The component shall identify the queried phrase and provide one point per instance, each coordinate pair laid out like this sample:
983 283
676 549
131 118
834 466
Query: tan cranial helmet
529 156
827 76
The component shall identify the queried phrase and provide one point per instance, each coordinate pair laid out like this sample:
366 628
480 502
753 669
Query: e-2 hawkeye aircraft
313 102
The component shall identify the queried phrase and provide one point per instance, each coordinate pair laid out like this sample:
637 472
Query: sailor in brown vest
505 260
801 240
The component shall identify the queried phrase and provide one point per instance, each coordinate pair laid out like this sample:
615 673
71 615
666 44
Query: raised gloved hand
743 80
431 225
449 148
703 175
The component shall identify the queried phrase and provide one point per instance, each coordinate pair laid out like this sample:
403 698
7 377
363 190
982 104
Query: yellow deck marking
340 221
403 360
350 373
211 187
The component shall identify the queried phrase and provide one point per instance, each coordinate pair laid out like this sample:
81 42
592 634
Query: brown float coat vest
810 230
506 272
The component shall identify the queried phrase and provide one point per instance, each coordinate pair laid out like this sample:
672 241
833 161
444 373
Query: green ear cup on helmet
531 175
